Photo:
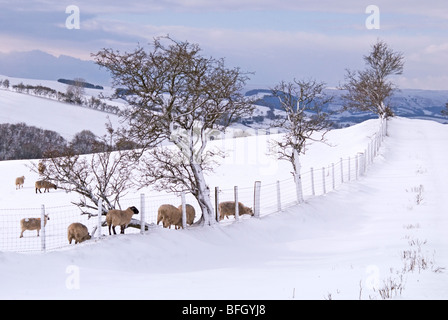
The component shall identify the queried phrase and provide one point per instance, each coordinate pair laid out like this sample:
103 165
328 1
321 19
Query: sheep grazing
120 218
227 209
77 231
191 213
19 182
46 185
169 215
32 224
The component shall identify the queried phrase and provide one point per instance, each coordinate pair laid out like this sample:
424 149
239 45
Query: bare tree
75 92
369 90
105 174
444 112
306 121
177 94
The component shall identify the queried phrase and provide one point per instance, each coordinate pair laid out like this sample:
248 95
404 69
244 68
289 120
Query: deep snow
339 246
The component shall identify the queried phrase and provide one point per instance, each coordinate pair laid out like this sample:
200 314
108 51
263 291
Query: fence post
42 228
356 166
312 182
237 211
217 203
100 213
184 210
257 187
279 201
342 171
349 169
323 180
332 175
142 213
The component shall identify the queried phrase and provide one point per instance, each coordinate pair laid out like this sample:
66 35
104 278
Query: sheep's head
134 209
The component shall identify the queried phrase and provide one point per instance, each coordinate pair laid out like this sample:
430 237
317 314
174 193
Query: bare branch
369 90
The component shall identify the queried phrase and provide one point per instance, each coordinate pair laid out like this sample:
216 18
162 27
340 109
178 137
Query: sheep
32 224
77 231
120 218
41 168
19 182
227 209
46 185
169 215
191 213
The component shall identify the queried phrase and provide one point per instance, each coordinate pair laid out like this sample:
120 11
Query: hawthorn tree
369 89
305 121
105 174
176 94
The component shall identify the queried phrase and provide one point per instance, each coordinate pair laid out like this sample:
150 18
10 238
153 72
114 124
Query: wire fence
264 199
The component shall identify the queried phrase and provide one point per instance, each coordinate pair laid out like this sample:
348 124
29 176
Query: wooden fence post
142 213
342 171
323 180
42 228
257 187
217 203
279 201
313 191
237 211
100 213
332 176
184 210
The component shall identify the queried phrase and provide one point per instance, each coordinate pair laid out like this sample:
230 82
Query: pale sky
278 40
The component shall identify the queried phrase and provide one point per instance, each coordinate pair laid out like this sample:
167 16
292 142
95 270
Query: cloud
276 39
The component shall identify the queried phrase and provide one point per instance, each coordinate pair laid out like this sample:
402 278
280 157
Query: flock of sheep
167 214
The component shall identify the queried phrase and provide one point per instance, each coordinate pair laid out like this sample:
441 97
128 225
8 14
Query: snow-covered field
64 118
349 244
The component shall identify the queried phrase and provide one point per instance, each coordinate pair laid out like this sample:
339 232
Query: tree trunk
203 196
297 176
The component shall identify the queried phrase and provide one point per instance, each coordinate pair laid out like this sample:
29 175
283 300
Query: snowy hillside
409 103
386 229
66 119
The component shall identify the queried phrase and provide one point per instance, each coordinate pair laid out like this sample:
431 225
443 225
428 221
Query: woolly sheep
19 182
32 224
44 184
227 209
169 215
41 168
120 218
191 213
77 231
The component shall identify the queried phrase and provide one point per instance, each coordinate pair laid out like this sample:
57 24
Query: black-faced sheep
120 218
44 184
169 215
77 231
227 209
32 224
19 182
191 213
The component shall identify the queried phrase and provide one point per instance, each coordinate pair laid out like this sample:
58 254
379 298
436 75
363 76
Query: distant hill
40 65
409 103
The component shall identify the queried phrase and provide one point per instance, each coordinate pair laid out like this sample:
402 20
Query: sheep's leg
113 229
122 229
21 235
